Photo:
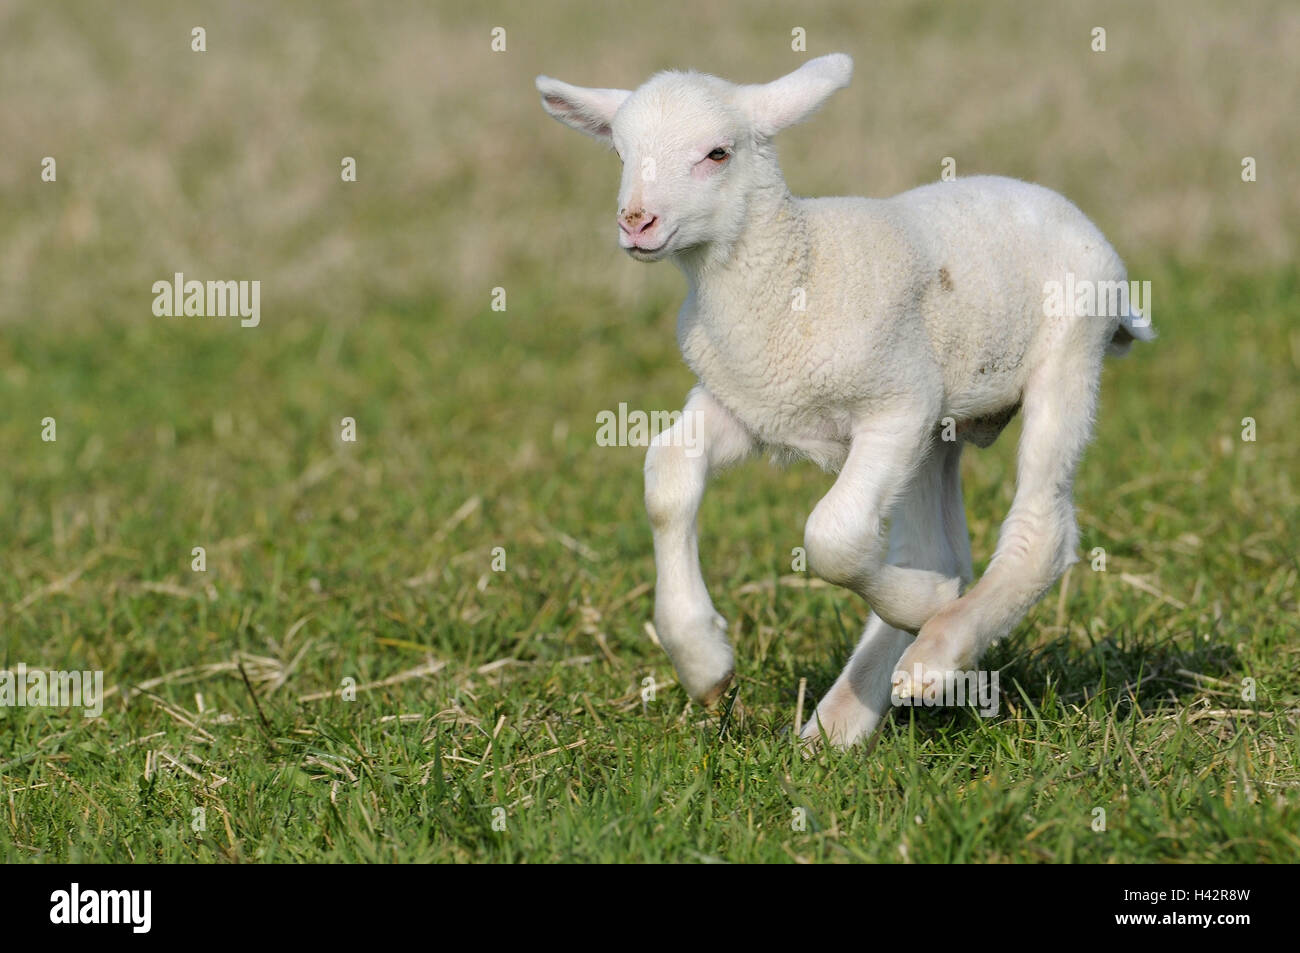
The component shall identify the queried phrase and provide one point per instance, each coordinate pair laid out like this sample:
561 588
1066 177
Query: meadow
476 570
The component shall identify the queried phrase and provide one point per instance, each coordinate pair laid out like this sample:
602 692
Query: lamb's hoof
700 653
840 721
921 669
710 697
811 740
906 687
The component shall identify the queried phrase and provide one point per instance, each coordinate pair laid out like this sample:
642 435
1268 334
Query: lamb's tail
1132 327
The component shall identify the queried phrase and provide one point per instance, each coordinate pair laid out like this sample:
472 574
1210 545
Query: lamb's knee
1043 546
673 483
838 550
1059 545
1066 552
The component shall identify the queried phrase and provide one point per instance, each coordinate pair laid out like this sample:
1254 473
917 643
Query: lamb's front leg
845 535
677 467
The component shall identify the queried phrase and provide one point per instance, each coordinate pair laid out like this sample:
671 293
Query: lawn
474 572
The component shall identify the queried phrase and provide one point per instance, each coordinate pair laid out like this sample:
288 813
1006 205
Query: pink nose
634 223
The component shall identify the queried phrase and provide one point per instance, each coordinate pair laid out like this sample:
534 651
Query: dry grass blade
431 667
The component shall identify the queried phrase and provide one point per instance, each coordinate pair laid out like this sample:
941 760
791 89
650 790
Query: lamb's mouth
651 253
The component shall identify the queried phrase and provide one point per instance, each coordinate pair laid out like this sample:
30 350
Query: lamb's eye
718 154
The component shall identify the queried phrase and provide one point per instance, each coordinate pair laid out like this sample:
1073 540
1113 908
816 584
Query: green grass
327 560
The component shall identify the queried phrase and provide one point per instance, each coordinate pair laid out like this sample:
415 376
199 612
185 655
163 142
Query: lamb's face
688 161
693 147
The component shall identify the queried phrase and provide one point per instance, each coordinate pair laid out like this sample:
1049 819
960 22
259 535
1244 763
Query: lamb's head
695 148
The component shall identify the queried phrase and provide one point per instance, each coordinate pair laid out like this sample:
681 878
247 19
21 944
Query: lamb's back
964 262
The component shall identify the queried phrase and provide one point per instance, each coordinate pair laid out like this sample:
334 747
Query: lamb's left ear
785 101
586 110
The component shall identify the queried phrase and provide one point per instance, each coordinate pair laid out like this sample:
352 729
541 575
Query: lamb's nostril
647 224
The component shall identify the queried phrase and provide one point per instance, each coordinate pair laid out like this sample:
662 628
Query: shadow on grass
1166 675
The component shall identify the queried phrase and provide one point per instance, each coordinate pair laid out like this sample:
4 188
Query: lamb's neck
763 268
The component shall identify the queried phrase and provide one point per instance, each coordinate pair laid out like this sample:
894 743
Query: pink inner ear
576 112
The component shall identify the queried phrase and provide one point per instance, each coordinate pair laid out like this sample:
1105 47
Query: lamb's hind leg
928 531
1038 540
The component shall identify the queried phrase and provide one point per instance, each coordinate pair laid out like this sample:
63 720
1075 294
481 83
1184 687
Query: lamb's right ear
795 96
586 110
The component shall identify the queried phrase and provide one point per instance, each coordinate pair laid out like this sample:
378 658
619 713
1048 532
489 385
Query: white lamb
923 327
